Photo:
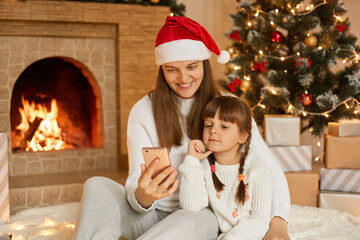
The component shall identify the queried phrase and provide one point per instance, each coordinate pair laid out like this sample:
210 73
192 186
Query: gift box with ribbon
282 130
293 158
344 129
345 180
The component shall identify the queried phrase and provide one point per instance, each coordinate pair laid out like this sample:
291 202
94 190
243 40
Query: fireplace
56 105
89 63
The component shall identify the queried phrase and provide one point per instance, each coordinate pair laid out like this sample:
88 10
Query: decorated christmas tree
295 57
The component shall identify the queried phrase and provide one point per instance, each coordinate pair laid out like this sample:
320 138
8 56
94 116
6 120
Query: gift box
282 130
293 158
4 180
345 180
342 152
303 187
344 129
346 202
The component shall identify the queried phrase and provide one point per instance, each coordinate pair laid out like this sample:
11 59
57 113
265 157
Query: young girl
235 183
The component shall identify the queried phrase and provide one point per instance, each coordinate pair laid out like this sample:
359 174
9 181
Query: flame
48 135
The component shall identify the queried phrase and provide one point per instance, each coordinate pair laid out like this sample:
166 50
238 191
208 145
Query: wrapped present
344 129
293 158
342 152
282 130
345 180
4 180
303 187
346 202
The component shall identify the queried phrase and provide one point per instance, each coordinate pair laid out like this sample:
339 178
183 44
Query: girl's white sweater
236 220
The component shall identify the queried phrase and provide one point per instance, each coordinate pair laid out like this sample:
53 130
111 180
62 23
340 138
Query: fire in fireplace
54 106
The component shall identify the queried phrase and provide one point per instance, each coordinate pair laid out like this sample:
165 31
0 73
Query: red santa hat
182 39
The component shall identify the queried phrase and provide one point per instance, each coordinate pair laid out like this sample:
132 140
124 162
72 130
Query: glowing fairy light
282 58
261 52
311 129
304 114
318 143
272 22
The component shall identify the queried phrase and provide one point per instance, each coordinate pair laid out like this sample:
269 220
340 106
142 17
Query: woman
169 117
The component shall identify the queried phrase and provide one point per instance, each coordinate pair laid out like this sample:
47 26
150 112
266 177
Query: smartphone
151 153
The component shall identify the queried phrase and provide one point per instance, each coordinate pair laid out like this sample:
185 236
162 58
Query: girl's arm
256 224
193 194
280 190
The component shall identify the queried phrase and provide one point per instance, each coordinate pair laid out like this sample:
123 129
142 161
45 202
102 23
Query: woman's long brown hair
231 109
166 109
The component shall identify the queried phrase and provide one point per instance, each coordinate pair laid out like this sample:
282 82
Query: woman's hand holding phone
196 148
154 188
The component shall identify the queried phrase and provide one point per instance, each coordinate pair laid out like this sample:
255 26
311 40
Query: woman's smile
184 77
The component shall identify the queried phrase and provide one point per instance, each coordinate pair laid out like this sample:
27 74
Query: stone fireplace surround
115 43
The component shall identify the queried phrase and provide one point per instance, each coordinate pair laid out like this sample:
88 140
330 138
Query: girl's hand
151 189
197 149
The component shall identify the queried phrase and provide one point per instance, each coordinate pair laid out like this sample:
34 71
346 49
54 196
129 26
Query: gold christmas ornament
245 85
154 1
311 41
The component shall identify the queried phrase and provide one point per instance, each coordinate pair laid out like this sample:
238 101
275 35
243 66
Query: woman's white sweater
236 220
141 132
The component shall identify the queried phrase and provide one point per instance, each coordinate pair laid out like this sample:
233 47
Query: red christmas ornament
277 37
233 84
235 35
306 99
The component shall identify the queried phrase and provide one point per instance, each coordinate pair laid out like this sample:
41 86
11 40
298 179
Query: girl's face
220 136
184 77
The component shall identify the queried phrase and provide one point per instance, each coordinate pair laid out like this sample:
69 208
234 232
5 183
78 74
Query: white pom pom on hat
183 39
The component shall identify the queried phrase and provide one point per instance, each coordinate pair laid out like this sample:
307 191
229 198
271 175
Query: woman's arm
256 224
280 190
142 190
193 194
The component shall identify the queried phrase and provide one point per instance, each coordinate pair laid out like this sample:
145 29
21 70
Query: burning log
30 133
